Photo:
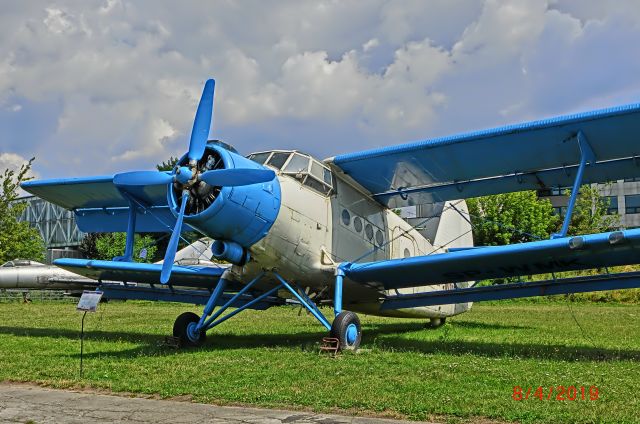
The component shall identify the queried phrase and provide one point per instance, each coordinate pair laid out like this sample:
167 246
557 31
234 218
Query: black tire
436 322
342 329
180 330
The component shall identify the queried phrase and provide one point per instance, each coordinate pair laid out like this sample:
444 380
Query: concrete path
31 404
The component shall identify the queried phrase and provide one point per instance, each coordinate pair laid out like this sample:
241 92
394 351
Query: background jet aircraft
25 274
293 226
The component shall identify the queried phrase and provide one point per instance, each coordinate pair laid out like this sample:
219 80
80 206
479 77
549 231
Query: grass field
464 370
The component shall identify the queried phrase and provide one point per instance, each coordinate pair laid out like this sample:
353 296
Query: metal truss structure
56 225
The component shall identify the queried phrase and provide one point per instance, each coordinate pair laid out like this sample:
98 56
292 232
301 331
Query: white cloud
14 162
370 45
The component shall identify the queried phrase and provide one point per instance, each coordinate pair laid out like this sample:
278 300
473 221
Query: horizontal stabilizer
133 272
546 256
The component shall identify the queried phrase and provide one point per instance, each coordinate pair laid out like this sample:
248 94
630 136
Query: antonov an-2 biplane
291 228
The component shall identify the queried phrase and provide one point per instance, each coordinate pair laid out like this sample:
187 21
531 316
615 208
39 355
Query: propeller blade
141 178
170 255
202 122
237 176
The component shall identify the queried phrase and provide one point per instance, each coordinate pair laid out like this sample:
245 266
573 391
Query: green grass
466 369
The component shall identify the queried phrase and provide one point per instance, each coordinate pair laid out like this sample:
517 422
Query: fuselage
325 219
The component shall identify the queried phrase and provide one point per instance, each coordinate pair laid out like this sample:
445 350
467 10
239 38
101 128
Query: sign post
88 303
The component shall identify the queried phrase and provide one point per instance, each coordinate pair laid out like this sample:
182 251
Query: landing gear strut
346 324
190 329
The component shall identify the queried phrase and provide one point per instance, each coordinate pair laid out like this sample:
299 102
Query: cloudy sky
94 87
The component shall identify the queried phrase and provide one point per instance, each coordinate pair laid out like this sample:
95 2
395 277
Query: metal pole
82 342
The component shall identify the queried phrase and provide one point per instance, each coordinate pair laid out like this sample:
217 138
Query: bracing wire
575 319
584 333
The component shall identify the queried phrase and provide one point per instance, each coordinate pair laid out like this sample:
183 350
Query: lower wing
133 272
479 263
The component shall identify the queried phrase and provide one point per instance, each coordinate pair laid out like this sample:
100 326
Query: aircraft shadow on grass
383 336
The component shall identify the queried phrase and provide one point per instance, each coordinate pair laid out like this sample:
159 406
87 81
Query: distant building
56 225
623 197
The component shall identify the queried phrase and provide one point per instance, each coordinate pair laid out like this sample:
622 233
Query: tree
17 239
88 245
167 165
511 218
590 213
107 246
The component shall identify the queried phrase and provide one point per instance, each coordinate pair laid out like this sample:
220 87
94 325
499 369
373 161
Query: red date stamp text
561 393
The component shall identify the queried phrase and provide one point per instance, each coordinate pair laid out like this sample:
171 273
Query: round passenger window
379 238
346 217
368 231
357 223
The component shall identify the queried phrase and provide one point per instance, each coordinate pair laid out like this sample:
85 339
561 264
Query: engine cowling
241 214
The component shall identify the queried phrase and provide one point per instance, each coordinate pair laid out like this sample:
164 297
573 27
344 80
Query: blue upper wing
529 156
546 256
100 206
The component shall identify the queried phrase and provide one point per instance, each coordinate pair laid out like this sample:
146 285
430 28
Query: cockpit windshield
311 172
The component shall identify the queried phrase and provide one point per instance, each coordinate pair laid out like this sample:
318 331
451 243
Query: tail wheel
346 328
184 329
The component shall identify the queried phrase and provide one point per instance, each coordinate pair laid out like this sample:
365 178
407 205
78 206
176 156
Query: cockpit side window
317 185
297 164
260 157
278 159
327 177
317 170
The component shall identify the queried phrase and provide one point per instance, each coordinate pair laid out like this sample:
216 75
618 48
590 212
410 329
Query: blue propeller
170 255
188 176
197 145
202 123
237 176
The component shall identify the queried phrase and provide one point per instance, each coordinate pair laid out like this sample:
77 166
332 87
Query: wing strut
586 157
131 231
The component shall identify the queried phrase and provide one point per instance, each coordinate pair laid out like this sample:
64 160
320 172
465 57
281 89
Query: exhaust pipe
230 252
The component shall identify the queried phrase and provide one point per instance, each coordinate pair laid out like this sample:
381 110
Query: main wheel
346 328
184 329
436 322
